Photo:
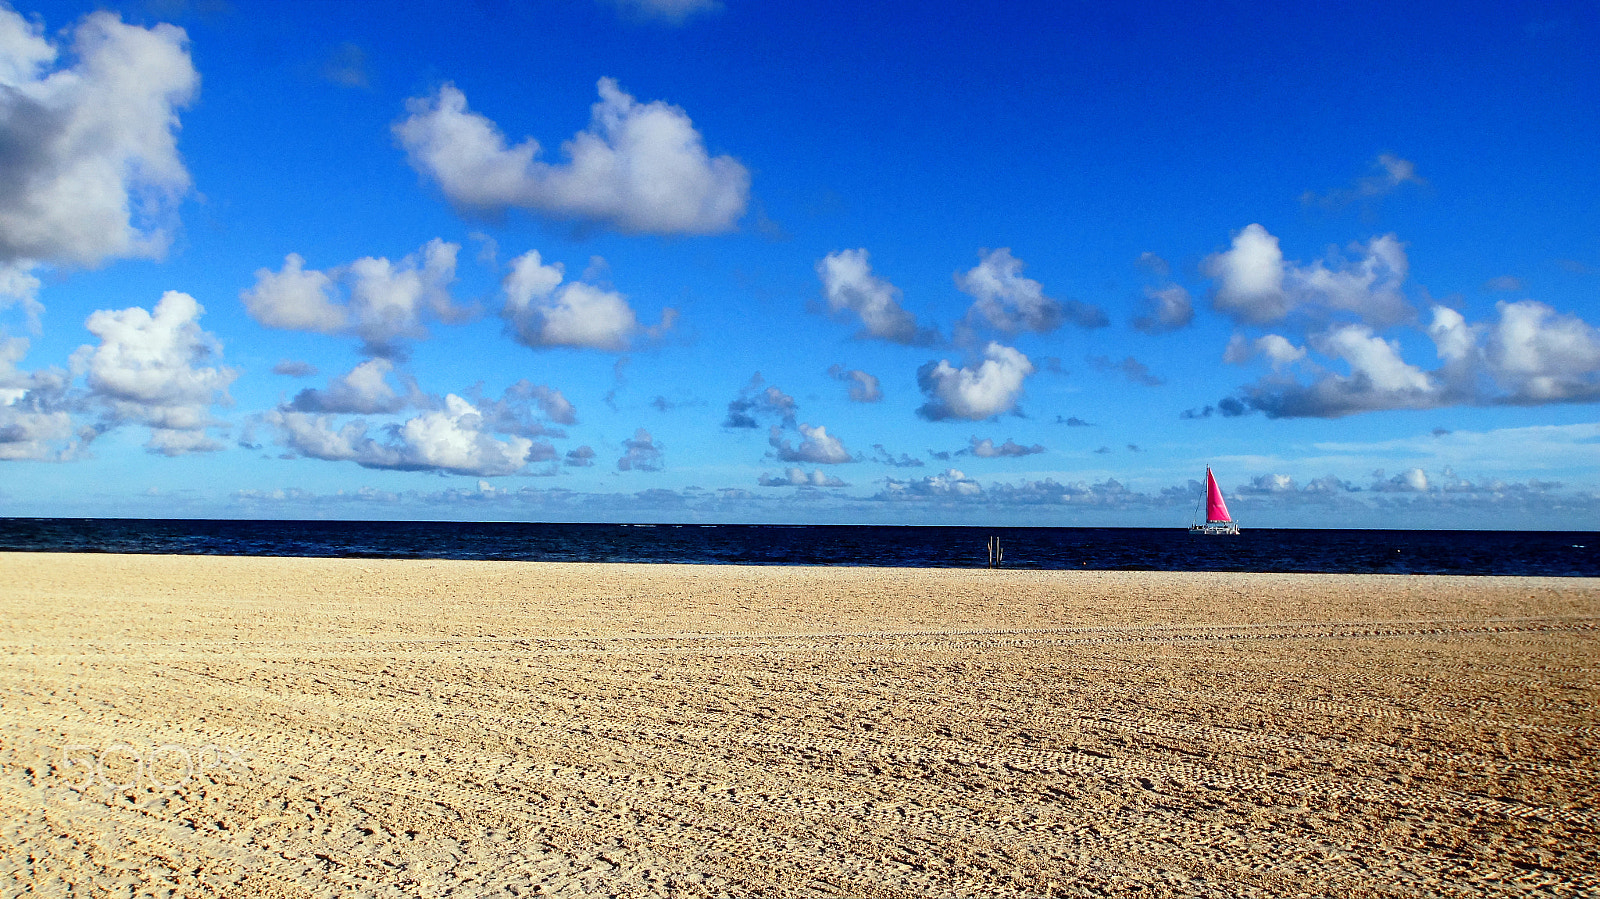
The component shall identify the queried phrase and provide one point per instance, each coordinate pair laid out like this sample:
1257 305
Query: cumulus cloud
450 439
985 448
1412 480
638 168
89 163
758 398
543 311
1249 277
297 495
372 298
1274 347
1379 379
953 486
147 369
1267 484
1130 368
582 457
795 477
1504 284
950 483
884 457
1532 355
1255 285
1539 355
20 287
642 453
527 409
1008 302
1073 422
864 388
1284 487
849 285
35 410
173 442
1166 308
987 390
1389 173
35 434
294 368
1411 489
365 390
816 446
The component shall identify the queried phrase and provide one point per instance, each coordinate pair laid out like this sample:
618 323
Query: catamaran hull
1218 521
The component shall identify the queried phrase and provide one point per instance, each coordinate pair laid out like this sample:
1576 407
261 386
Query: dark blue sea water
1558 553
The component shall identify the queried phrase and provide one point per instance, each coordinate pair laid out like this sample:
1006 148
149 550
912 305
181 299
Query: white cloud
641 453
147 369
950 483
639 168
1009 302
1268 484
1546 450
1412 480
1379 379
1254 284
974 393
1532 356
20 287
864 388
759 398
1249 277
1276 348
1166 308
1542 356
31 425
796 477
544 311
89 163
452 439
953 486
882 456
171 442
1368 285
1375 362
1390 172
364 390
985 448
548 400
386 300
35 419
817 446
849 284
1130 368
294 368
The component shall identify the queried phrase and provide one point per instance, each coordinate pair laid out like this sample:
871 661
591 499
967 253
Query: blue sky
683 260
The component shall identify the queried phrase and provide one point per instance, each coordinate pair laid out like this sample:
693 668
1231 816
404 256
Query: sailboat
1218 521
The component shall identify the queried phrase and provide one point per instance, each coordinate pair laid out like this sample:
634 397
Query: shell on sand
290 727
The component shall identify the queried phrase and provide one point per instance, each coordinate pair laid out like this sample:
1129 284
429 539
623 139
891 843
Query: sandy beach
205 726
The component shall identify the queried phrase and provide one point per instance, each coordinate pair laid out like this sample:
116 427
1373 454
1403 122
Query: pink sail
1216 509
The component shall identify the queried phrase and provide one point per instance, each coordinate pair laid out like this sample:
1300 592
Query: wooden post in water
996 554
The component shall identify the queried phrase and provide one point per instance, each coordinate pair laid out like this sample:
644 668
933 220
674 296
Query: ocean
1551 553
